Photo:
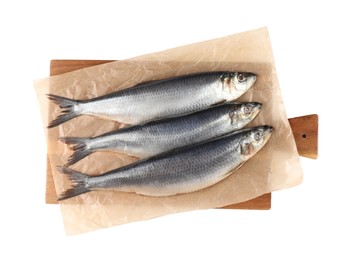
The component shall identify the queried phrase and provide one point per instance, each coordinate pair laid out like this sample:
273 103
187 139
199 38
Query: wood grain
305 131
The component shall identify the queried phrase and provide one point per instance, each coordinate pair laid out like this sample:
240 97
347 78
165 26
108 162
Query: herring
163 135
179 171
158 99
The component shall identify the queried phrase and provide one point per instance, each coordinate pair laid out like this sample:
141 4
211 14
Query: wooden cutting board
305 129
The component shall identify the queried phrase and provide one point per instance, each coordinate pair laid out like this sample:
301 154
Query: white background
310 47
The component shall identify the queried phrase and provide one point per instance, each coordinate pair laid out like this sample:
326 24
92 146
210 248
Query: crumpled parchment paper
275 167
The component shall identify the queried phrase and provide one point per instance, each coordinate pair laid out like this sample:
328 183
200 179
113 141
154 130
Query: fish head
254 140
243 113
237 83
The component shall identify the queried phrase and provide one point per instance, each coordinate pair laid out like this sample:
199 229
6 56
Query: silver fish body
159 99
179 171
163 135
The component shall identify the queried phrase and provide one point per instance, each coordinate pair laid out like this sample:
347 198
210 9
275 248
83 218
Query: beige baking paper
275 167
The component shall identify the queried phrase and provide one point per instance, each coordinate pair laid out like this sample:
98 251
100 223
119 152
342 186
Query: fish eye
247 109
241 77
257 135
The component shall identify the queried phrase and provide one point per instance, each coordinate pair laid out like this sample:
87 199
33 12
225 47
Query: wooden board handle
305 130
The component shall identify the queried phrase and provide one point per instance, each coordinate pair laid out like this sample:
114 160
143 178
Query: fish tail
81 146
69 106
79 183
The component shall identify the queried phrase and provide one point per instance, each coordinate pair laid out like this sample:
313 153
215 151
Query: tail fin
78 180
69 106
79 146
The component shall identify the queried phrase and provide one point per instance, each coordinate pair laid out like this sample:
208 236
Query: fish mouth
257 106
252 77
249 74
268 129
